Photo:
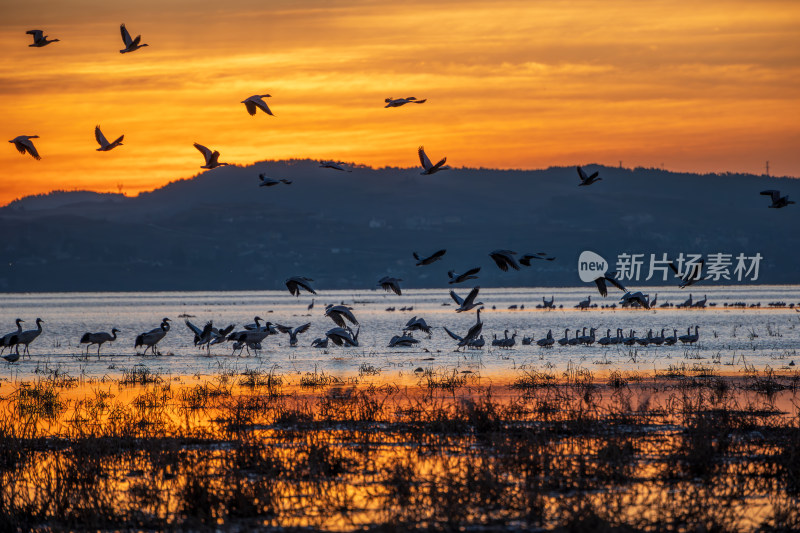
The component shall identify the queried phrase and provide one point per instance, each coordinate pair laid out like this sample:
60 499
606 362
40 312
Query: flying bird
98 338
390 284
24 144
269 182
105 146
255 102
459 278
295 283
526 259
778 201
435 256
691 276
212 158
468 303
505 259
601 284
40 39
636 297
428 167
131 45
338 313
334 165
587 180
418 324
397 102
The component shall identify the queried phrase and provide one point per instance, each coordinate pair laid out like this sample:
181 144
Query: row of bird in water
252 335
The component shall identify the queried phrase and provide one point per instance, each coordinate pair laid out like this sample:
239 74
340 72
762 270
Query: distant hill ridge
220 231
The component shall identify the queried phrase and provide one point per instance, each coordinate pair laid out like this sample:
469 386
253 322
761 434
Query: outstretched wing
426 163
37 34
452 335
101 140
203 150
30 148
456 298
776 195
470 299
126 37
251 106
582 174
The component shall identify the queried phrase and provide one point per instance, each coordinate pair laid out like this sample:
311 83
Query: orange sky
708 86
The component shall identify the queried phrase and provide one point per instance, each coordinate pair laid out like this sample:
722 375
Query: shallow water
730 338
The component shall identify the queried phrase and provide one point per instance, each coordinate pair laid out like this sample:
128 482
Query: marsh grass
627 452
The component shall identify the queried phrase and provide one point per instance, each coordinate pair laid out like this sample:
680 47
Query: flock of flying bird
253 334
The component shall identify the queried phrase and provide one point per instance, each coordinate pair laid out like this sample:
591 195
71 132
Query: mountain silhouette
221 231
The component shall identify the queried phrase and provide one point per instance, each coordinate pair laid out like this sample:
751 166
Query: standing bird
334 165
212 158
397 102
587 180
255 102
428 167
5 340
295 283
435 256
131 45
778 201
98 338
24 144
338 313
105 146
149 339
27 337
391 284
505 259
459 278
40 39
468 303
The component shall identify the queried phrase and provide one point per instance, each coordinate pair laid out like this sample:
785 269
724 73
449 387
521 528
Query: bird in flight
468 303
526 259
505 259
587 180
212 158
105 146
295 283
390 284
335 166
435 256
266 181
428 167
459 278
255 102
24 144
131 45
778 201
601 284
40 39
397 102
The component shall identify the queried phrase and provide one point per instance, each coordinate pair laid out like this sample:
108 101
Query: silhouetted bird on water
98 338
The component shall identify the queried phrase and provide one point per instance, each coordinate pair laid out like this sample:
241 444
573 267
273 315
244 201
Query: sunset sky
708 86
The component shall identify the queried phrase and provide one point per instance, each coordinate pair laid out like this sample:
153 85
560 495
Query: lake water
730 338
